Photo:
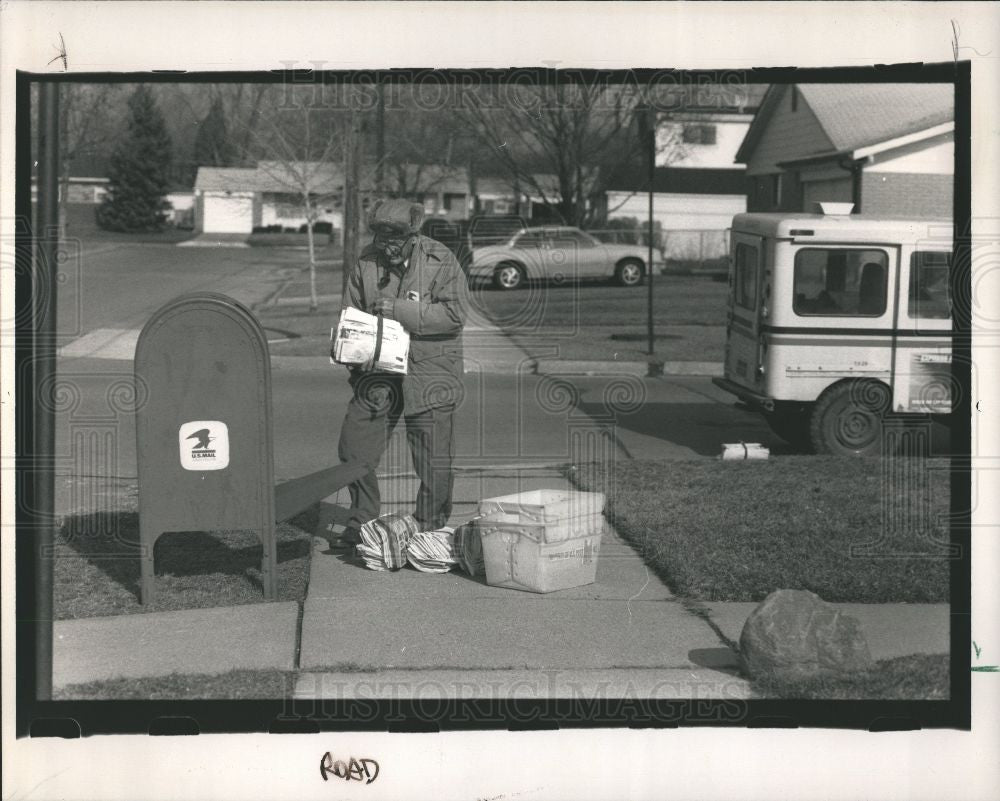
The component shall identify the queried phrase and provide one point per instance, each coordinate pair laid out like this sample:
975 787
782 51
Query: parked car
463 236
448 232
557 253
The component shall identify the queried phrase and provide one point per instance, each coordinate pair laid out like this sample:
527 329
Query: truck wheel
847 419
792 425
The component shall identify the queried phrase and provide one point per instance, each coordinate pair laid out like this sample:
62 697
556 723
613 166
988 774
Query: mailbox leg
147 587
269 563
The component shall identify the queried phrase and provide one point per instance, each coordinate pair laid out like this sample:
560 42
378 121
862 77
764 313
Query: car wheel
792 425
508 276
630 272
848 417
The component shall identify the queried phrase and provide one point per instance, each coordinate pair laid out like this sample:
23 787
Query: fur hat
401 215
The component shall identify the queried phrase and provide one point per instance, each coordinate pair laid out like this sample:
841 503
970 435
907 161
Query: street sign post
204 433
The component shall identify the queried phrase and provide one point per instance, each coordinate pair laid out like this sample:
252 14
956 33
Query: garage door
225 214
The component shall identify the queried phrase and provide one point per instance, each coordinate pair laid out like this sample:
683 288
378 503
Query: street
506 418
111 285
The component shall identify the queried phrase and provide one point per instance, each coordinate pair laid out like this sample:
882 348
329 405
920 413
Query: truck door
922 354
743 330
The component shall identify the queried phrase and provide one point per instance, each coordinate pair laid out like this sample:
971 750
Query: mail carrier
837 320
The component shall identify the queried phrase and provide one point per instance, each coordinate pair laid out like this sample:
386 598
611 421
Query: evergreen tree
139 170
212 146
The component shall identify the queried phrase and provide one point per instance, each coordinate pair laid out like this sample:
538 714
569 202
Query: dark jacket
434 321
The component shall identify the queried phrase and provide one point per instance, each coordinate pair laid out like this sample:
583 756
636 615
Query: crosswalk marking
103 343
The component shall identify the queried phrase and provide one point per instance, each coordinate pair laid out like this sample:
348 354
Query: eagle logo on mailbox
210 449
203 439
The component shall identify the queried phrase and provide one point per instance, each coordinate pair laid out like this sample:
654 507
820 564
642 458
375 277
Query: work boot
346 540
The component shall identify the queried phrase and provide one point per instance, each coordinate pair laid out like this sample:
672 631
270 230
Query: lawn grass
736 531
924 677
234 685
97 566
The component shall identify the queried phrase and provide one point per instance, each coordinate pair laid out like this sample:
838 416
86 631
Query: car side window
570 237
930 290
840 282
530 239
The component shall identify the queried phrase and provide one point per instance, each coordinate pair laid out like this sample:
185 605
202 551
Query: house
238 199
697 187
887 148
270 195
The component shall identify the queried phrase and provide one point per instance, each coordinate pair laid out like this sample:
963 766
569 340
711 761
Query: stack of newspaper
384 541
432 551
468 545
375 342
390 541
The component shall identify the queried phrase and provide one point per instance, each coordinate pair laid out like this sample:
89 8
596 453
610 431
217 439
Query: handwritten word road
352 770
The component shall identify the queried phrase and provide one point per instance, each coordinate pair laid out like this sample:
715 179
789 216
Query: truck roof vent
835 208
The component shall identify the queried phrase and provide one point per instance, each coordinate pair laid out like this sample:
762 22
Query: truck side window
840 282
930 292
746 276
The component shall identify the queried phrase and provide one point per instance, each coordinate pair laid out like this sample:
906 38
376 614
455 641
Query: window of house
746 276
453 201
776 189
840 283
698 134
288 210
930 290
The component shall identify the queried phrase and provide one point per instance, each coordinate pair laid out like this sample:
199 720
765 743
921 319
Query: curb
640 369
553 367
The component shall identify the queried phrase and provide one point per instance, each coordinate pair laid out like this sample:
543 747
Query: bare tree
563 142
88 113
301 152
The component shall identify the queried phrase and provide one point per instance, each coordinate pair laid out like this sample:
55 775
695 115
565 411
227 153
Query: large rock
795 634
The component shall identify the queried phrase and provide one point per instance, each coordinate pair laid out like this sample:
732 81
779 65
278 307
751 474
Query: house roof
710 97
271 176
860 114
328 178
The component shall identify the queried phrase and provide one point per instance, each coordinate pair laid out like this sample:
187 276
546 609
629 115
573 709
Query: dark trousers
372 415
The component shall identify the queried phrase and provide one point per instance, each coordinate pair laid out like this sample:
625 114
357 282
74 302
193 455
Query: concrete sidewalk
451 630
213 640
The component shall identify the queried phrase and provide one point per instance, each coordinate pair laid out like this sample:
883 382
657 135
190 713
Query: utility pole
352 190
651 152
646 124
380 140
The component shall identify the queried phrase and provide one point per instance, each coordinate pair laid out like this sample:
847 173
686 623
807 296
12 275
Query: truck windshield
840 282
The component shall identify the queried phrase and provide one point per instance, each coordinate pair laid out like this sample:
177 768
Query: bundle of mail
384 541
468 545
432 551
374 342
390 541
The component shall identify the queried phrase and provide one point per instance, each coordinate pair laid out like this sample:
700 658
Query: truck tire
847 419
792 425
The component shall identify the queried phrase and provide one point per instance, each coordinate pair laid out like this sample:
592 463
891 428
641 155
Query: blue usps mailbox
204 435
